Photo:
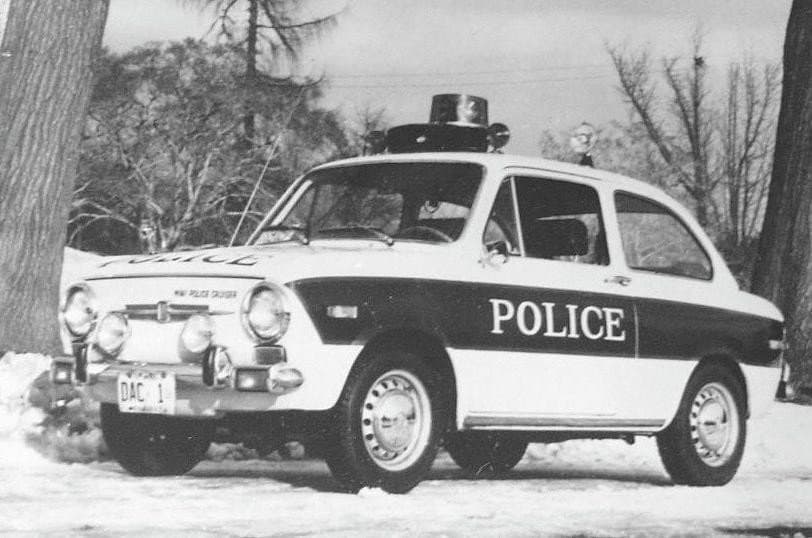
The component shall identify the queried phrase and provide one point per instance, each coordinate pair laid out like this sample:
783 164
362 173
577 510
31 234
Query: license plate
146 392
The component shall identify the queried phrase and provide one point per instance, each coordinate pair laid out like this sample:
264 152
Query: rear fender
724 357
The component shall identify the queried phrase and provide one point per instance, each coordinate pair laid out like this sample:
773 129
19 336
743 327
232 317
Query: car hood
284 262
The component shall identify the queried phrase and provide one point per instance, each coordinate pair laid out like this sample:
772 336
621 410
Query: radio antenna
271 155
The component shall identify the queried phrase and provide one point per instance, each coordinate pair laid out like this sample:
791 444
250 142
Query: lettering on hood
245 260
559 320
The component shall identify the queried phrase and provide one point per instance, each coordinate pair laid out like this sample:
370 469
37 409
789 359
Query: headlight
264 315
197 333
79 312
113 331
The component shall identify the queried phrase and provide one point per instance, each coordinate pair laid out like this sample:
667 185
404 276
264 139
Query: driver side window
561 221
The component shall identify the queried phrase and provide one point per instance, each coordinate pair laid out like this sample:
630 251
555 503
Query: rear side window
656 240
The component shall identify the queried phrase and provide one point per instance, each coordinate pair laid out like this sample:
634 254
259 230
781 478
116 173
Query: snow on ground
592 488
74 264
17 373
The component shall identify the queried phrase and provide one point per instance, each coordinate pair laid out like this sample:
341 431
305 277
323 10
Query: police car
438 294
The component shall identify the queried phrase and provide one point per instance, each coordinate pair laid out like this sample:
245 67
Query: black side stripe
494 317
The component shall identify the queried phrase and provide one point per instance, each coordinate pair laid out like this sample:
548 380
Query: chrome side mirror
497 253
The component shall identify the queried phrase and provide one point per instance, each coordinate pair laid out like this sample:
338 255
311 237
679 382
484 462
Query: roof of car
506 161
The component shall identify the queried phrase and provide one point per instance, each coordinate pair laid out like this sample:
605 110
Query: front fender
348 311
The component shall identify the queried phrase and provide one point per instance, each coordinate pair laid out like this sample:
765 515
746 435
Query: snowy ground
593 488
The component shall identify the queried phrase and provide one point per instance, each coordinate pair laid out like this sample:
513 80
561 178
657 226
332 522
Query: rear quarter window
656 240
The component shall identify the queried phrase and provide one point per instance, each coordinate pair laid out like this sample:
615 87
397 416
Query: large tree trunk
782 271
45 74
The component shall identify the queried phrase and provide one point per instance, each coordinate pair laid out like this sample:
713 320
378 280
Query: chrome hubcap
714 424
396 420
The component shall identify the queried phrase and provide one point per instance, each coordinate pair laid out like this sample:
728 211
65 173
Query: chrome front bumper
193 396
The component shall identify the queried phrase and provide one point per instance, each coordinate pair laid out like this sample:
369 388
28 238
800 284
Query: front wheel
704 443
154 445
387 423
485 454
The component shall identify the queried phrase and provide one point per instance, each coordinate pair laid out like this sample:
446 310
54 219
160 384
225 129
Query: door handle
618 279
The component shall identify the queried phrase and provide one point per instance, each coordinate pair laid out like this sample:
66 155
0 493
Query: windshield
393 201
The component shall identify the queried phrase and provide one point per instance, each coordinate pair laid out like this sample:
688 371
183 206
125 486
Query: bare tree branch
716 154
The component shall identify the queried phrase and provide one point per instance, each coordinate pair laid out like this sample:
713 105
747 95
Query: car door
556 335
670 277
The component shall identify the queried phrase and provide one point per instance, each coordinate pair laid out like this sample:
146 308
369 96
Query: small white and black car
435 295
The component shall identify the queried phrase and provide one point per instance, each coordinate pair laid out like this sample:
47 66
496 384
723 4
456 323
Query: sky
542 64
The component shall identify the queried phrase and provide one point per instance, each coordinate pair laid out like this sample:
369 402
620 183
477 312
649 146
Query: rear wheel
387 423
154 445
484 454
703 445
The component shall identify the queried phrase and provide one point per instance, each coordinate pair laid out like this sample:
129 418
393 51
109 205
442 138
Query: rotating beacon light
459 109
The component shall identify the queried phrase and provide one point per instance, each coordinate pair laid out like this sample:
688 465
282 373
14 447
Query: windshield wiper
299 232
376 233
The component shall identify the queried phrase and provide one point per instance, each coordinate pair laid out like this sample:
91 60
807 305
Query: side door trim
527 422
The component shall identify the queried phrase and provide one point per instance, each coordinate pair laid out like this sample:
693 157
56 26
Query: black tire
154 445
693 448
391 451
485 454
